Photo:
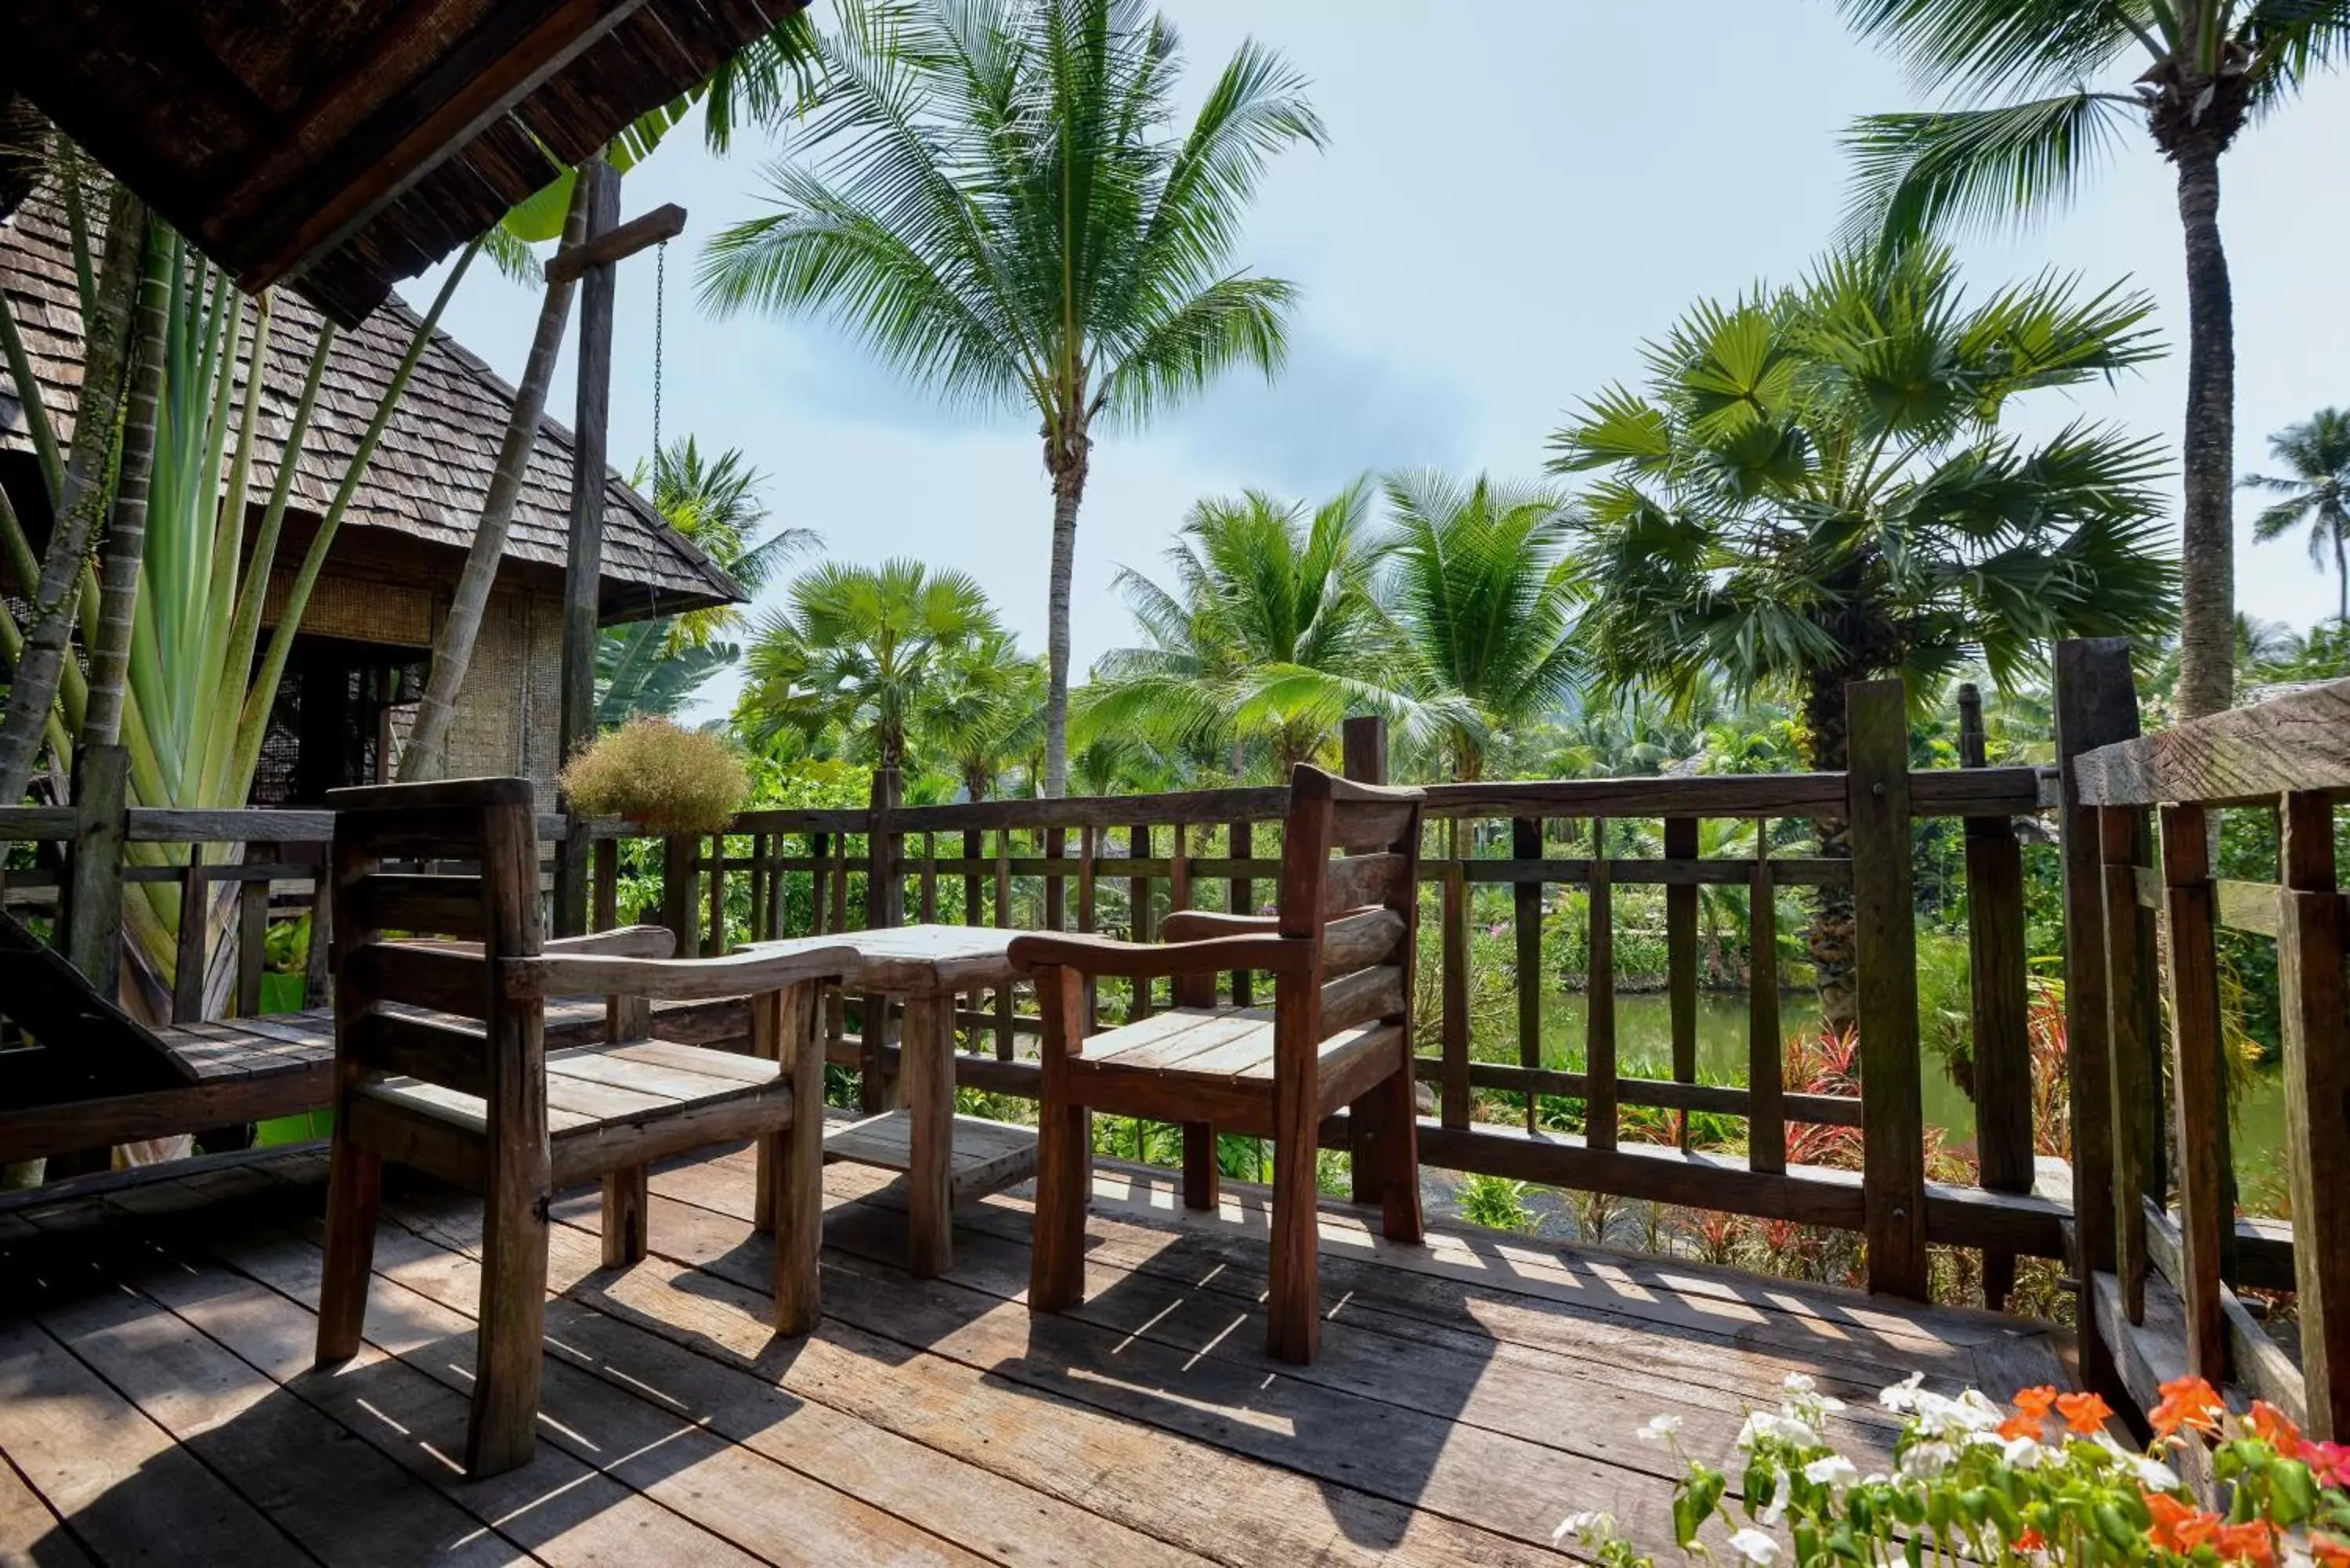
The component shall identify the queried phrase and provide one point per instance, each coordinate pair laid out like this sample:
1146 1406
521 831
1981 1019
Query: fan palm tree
981 711
2316 492
1812 489
2026 123
1481 594
858 646
1269 633
1000 213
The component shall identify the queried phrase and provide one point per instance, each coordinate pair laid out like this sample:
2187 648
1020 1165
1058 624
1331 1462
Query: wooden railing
1122 862
2143 907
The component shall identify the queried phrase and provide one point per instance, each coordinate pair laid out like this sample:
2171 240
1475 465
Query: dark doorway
338 714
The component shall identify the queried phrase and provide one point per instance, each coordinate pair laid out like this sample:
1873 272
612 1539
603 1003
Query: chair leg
1398 1151
626 1199
1201 1177
506 1362
1056 1275
1294 1305
354 1192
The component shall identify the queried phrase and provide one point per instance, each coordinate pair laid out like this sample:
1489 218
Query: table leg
926 1078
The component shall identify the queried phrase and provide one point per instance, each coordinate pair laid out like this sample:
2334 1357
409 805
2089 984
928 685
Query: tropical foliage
2313 493
2040 93
994 200
661 777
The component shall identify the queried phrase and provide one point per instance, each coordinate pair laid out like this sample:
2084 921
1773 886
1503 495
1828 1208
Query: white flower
1800 1383
1782 1493
1661 1429
1754 1547
1833 1470
1594 1527
1902 1396
1924 1461
1771 1424
2153 1475
2023 1453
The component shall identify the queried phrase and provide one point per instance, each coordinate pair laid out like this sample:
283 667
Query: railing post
2096 705
92 924
1998 996
885 906
607 853
1892 1111
2207 1218
1363 749
252 930
678 910
2314 941
190 957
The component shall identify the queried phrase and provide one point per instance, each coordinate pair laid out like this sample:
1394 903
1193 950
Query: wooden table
947 1159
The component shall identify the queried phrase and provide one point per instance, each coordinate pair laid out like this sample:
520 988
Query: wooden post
252 930
1239 899
188 960
1004 1051
1766 1060
678 912
1599 999
607 878
1680 958
1363 748
584 573
1892 1110
92 922
1142 925
2096 704
1453 987
2133 1044
1999 999
2313 939
885 908
2207 1220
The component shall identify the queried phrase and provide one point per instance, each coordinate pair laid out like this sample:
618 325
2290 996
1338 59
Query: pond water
1644 1049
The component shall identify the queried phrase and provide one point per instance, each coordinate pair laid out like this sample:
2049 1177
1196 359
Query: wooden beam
1886 939
584 571
2246 755
663 222
466 91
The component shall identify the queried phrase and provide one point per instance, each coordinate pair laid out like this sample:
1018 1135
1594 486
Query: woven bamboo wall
510 708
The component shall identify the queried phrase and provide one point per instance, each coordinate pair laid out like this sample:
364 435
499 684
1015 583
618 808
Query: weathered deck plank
1470 1394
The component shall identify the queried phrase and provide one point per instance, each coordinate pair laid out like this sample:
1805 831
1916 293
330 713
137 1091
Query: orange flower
2036 1401
2176 1527
2016 1427
2252 1541
2275 1428
2186 1402
2032 1540
2330 1553
2085 1413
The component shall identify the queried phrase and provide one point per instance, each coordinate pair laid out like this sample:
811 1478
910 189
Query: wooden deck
156 1402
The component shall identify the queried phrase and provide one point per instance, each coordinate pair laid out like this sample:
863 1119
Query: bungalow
365 637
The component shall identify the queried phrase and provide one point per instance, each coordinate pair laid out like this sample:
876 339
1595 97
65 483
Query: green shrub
659 776
1497 1202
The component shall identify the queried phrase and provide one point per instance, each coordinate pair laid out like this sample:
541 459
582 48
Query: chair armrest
628 941
1153 961
1195 925
672 980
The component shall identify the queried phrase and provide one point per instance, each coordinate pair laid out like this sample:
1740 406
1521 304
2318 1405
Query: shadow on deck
156 1399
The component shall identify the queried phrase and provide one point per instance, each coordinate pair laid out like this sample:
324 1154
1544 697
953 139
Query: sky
1515 195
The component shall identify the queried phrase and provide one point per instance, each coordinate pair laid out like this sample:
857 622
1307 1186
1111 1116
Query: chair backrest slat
1362 905
387 922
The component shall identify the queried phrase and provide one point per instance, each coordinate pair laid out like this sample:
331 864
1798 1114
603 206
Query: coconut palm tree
2027 121
858 646
1482 596
2315 491
996 207
1813 488
1268 634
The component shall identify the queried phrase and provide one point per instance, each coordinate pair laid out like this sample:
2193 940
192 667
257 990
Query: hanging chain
661 309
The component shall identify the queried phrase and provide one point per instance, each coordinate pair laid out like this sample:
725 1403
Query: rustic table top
917 961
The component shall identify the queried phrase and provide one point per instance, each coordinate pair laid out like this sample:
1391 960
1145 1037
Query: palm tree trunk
1832 939
126 530
2342 576
47 637
2208 603
1068 465
428 737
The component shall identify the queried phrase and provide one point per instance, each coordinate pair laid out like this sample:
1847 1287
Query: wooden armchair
441 1064
1338 1033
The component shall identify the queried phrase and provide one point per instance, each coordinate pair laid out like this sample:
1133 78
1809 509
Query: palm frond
1975 169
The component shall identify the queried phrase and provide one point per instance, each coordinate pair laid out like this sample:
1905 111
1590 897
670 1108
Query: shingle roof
432 467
